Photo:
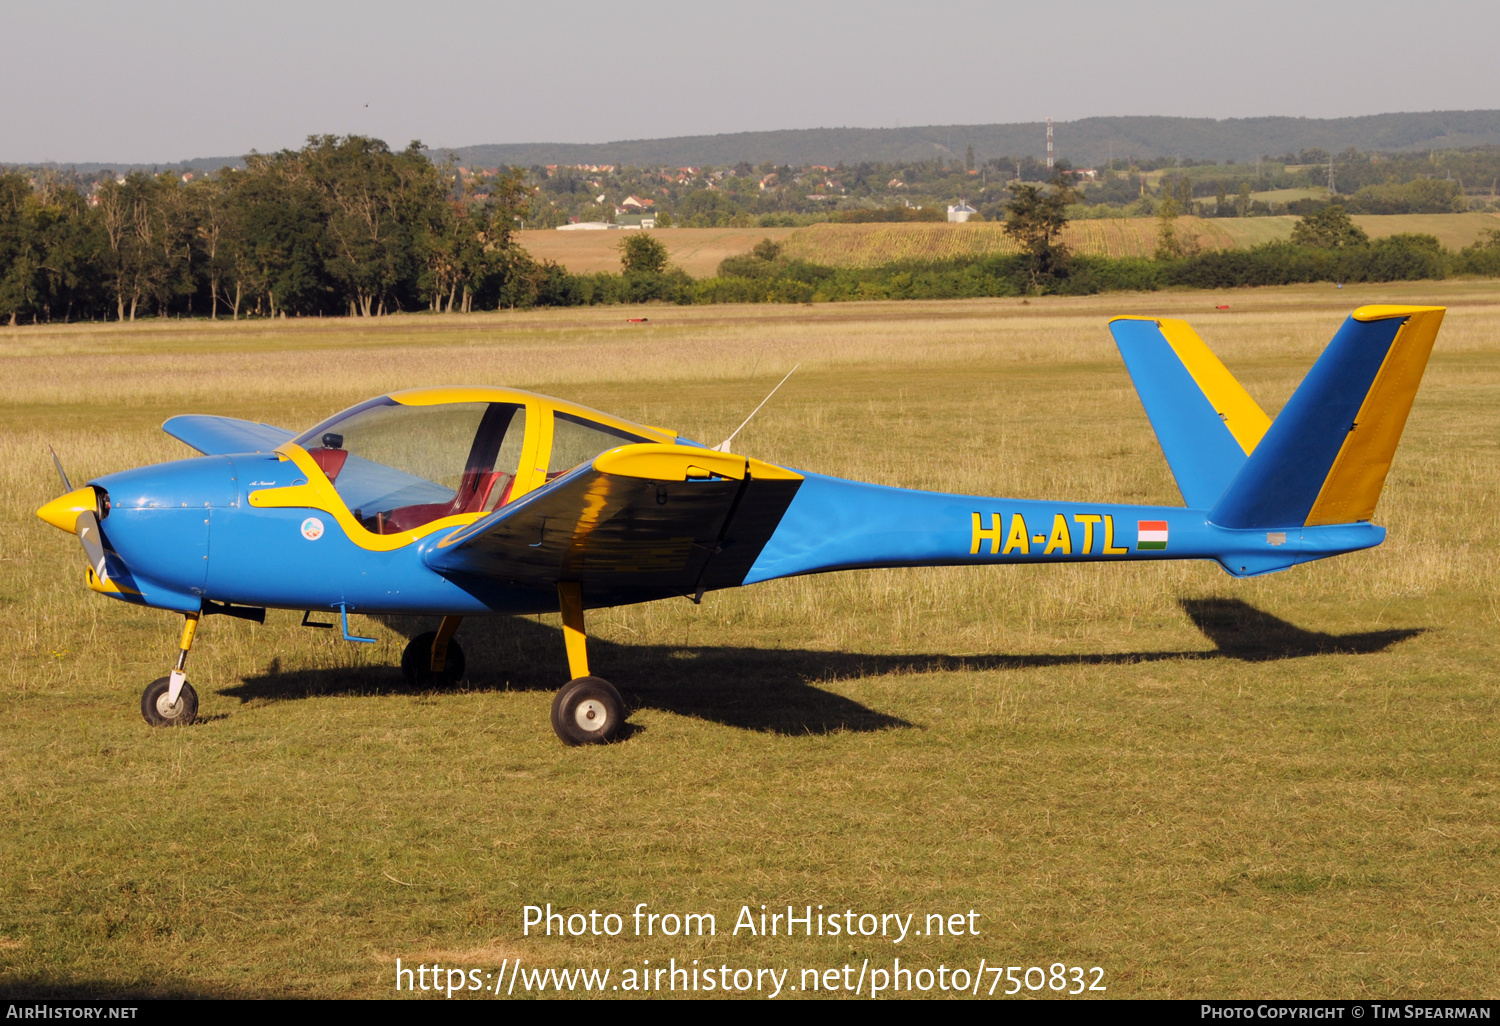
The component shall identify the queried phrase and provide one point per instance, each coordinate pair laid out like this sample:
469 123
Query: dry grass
1280 786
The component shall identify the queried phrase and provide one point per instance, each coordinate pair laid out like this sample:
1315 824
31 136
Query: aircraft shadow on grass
768 689
776 689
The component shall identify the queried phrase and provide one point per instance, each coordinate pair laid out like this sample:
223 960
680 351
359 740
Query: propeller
88 534
67 485
77 510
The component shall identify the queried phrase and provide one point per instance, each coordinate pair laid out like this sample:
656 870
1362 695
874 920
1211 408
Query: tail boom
834 524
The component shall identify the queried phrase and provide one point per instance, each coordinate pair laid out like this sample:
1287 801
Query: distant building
637 203
961 213
633 221
585 226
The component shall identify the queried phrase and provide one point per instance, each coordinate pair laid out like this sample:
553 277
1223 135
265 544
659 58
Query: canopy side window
399 467
576 440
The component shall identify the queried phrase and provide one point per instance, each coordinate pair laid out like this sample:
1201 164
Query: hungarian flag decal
1150 534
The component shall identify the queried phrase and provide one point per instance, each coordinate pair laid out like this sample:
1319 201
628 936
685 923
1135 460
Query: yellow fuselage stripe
318 493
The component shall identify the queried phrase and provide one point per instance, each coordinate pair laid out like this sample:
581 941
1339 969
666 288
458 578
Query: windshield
399 467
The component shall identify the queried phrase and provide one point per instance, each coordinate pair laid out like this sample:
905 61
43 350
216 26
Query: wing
639 522
217 436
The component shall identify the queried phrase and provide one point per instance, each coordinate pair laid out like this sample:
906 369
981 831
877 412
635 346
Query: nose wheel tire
159 713
588 711
416 663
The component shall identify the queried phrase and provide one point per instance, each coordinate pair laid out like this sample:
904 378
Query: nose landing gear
170 701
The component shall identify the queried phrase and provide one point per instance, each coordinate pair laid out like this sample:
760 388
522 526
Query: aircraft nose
157 519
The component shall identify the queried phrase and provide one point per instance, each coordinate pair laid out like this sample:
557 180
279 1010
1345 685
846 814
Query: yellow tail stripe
1355 480
1244 418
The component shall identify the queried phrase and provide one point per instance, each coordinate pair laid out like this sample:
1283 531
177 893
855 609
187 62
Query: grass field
1207 787
699 250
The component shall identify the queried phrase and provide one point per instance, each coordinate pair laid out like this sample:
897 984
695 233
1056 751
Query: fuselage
322 523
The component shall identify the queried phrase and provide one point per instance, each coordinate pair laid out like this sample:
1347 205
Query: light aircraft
464 501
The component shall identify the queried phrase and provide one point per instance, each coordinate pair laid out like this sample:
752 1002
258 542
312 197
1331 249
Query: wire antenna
724 445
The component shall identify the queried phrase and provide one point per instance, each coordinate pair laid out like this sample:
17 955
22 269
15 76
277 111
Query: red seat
407 518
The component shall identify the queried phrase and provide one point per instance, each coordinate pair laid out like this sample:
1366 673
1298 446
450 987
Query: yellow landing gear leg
434 659
570 598
170 701
588 710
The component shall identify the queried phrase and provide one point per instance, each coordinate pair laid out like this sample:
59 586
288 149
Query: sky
158 81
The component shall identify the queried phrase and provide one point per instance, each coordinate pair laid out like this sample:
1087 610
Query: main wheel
159 713
588 711
416 663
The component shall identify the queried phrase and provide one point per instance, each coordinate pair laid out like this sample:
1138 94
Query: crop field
1206 787
868 245
696 250
699 250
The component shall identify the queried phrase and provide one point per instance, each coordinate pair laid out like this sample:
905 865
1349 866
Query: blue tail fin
1206 422
1325 459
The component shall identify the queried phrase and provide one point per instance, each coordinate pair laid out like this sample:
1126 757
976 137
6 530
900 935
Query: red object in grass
635 320
1222 306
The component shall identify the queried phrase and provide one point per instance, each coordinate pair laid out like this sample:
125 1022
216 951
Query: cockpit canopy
398 465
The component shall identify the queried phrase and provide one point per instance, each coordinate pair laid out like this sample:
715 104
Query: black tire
156 711
416 663
588 711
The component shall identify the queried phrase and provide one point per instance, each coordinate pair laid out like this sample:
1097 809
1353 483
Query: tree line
344 225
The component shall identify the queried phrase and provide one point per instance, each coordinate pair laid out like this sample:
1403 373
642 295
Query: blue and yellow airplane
464 501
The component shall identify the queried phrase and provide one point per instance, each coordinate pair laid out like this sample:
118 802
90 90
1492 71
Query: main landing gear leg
588 710
170 701
434 659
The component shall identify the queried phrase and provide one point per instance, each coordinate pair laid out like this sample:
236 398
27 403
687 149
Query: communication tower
1049 144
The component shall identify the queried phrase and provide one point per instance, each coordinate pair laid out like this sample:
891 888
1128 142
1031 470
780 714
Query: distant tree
642 254
125 209
969 159
1242 204
766 249
283 261
1035 217
378 202
1329 228
217 235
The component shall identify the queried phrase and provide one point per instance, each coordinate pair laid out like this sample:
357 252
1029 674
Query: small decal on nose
312 528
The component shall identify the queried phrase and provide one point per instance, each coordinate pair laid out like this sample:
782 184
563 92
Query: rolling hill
1087 141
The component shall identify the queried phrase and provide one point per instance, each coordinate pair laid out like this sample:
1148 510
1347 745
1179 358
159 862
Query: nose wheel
170 701
159 708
